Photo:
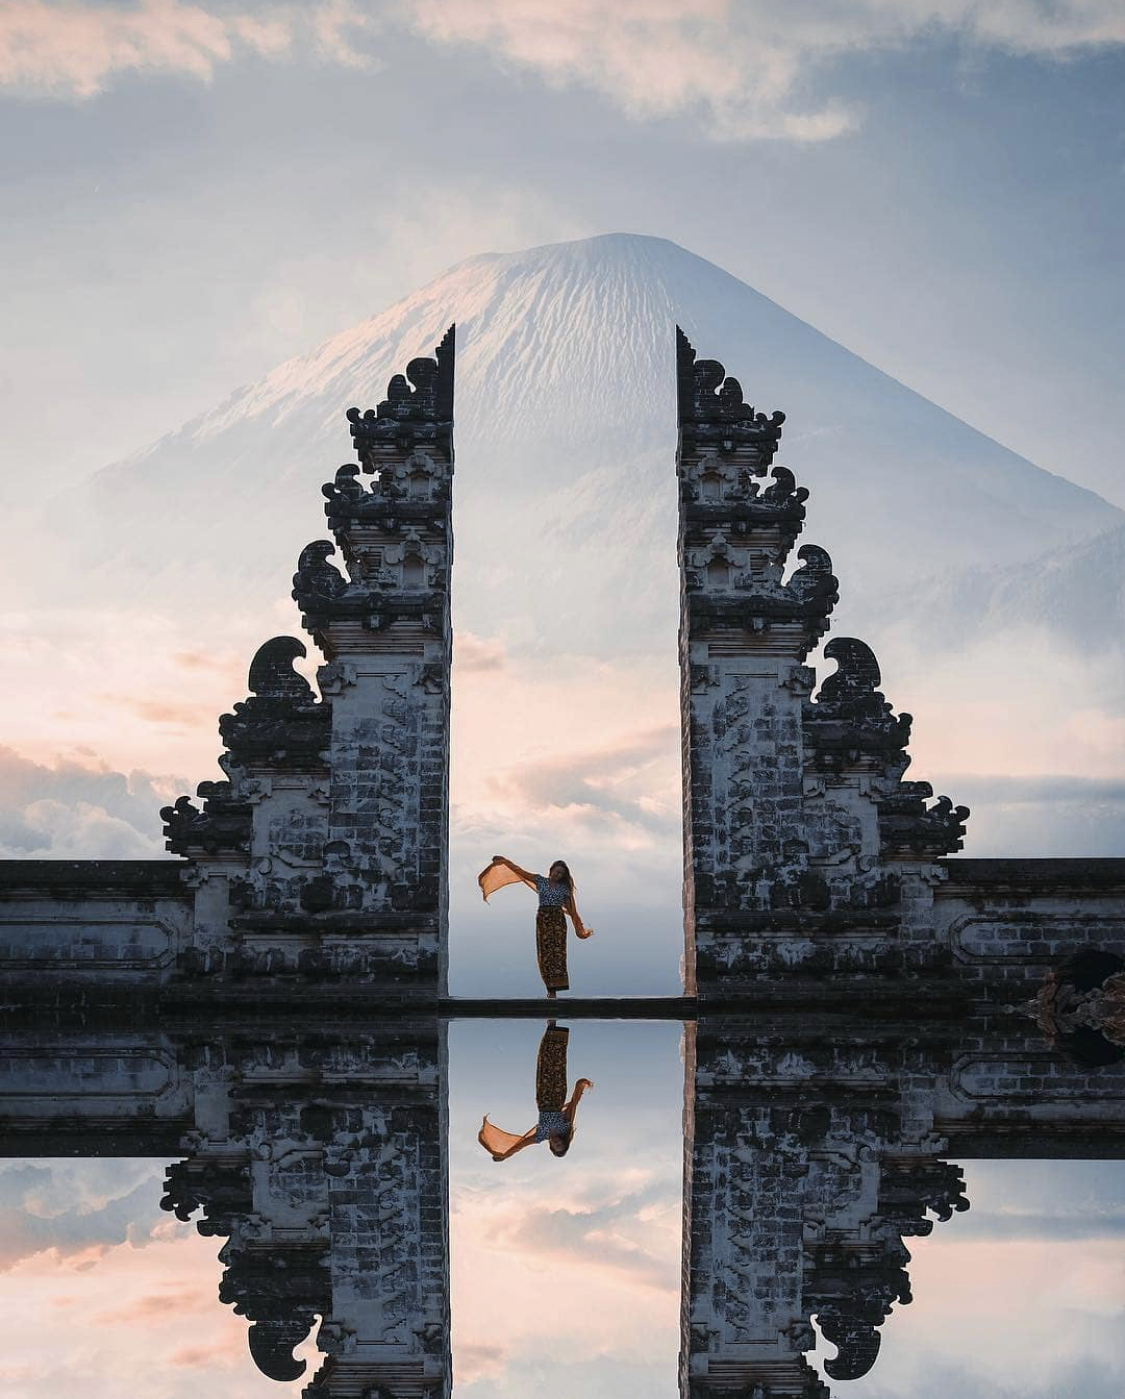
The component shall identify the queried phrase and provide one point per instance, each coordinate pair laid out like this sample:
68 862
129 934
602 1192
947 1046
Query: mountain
990 589
565 436
1075 593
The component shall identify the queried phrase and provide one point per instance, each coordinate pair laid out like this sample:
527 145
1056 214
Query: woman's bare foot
552 995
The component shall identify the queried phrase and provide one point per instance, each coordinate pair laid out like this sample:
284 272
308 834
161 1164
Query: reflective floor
566 1256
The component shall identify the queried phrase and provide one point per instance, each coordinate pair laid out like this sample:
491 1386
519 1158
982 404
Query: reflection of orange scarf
495 877
495 1140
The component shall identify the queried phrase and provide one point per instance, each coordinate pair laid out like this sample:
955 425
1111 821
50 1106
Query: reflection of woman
556 898
556 1116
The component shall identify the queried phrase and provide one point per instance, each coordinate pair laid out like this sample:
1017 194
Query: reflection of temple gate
319 1159
859 994
818 1145
815 1148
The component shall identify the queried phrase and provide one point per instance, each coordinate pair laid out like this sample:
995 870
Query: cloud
567 750
590 1236
200 660
1061 814
34 1218
180 716
478 1361
57 1342
224 1354
472 654
76 811
652 58
1079 1379
589 1256
619 1230
1020 1224
75 50
746 70
133 686
745 67
1066 788
145 1308
331 23
621 781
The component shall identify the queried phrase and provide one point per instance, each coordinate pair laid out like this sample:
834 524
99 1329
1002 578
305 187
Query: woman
556 1117
556 898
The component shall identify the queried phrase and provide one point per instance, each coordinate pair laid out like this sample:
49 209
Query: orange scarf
495 877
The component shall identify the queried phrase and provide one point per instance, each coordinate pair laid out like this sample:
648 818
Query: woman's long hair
567 879
560 1145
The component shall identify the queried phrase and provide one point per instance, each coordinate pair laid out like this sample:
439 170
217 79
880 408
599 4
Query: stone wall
77 922
1007 922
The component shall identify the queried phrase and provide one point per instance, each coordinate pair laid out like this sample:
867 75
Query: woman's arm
525 875
519 1146
575 1098
579 927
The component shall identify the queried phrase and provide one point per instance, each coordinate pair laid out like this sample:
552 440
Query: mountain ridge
987 586
243 391
566 407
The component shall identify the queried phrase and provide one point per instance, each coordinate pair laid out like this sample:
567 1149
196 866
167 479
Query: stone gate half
807 853
322 855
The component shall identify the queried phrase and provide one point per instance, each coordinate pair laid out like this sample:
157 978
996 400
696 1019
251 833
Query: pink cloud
224 665
655 58
594 1256
143 1309
476 1360
224 1353
472 654
155 711
76 49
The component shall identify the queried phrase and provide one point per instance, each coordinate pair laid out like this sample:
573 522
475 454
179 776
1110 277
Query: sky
191 193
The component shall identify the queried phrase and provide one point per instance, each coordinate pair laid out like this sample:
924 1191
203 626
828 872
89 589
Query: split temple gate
863 1007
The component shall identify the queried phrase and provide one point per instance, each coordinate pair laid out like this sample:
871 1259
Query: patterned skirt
550 1069
550 945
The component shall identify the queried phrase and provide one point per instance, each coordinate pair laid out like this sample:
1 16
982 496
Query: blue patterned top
552 1124
551 895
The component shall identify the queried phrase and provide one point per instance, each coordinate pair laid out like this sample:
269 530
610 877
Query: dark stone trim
1044 877
1094 1141
88 1138
421 919
580 1008
721 922
133 878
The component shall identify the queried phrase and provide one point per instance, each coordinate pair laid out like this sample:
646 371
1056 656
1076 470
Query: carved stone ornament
282 723
850 720
712 411
418 409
